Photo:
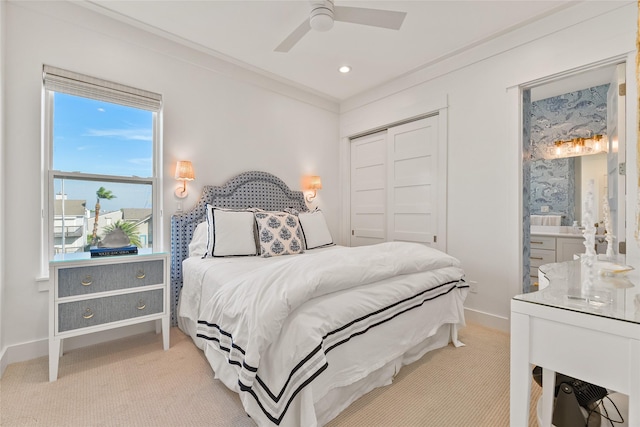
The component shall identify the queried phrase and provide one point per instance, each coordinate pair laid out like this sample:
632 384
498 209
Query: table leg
520 370
54 358
165 332
548 387
634 383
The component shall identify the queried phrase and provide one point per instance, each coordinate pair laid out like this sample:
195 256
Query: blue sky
102 138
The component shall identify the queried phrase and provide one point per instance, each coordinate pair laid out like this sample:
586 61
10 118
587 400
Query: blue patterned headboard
247 190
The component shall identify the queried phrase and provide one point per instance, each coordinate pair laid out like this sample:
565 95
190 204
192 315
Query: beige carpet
133 382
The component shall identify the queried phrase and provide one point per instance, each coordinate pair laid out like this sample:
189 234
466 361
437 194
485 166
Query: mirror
558 186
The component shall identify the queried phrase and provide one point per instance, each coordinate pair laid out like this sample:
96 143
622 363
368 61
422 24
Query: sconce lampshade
184 173
312 182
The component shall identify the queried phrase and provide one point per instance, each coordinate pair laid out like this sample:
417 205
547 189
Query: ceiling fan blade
294 37
373 17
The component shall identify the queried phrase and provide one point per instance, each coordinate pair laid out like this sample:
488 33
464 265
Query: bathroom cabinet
547 248
567 247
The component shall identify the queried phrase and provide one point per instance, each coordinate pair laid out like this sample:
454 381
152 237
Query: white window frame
63 81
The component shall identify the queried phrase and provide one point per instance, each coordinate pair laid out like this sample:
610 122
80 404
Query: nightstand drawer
97 311
108 277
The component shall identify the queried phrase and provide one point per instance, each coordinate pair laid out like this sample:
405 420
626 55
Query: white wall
484 172
226 120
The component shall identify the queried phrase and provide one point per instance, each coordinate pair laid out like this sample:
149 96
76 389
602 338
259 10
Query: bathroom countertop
559 234
559 231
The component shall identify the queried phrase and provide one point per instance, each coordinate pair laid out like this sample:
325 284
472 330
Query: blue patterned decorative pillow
279 234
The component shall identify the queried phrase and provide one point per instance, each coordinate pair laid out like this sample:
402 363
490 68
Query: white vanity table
597 341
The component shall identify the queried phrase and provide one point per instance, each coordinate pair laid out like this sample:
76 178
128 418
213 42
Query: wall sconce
311 182
184 173
578 147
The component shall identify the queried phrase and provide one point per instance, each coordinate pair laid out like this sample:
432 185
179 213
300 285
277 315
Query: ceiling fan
324 13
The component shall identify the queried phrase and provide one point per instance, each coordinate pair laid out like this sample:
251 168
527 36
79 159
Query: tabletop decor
588 258
609 237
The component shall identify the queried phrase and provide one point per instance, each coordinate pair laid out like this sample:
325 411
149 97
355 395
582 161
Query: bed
302 336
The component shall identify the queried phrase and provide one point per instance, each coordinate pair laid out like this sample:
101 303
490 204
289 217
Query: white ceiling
246 32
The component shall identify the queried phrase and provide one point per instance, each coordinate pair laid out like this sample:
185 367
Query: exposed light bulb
344 69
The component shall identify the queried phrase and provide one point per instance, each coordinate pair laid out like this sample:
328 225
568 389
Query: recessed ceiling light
344 69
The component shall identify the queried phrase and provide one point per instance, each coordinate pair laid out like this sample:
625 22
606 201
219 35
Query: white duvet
276 321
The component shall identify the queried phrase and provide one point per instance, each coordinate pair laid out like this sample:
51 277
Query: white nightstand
96 294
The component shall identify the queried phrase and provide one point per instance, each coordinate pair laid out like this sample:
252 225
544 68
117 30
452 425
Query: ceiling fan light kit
324 13
321 17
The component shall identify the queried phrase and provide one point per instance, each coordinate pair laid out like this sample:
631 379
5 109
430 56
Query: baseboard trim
486 319
40 348
3 361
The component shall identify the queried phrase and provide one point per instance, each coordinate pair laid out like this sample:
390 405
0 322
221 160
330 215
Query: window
101 145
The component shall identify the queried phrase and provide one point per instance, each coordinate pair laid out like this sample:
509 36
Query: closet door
368 189
412 182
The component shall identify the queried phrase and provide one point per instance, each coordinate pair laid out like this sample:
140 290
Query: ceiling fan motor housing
324 13
321 17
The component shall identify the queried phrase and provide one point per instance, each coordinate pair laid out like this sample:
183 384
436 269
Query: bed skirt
329 395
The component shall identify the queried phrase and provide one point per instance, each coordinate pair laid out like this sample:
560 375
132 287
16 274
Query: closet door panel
368 189
412 153
398 187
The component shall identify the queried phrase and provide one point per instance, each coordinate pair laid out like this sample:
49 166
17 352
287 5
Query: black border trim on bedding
253 189
457 284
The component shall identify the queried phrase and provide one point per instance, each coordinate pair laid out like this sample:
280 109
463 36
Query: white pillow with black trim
198 244
278 233
231 233
315 230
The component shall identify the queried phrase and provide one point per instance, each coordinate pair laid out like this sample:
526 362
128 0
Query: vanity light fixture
578 147
344 69
184 173
311 182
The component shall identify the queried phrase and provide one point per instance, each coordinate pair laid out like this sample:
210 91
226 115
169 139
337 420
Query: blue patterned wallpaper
553 184
526 184
572 115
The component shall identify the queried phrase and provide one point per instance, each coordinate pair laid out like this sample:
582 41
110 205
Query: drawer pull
141 305
537 243
88 314
140 274
87 281
537 257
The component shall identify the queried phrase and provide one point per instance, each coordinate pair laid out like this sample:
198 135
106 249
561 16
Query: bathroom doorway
573 145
